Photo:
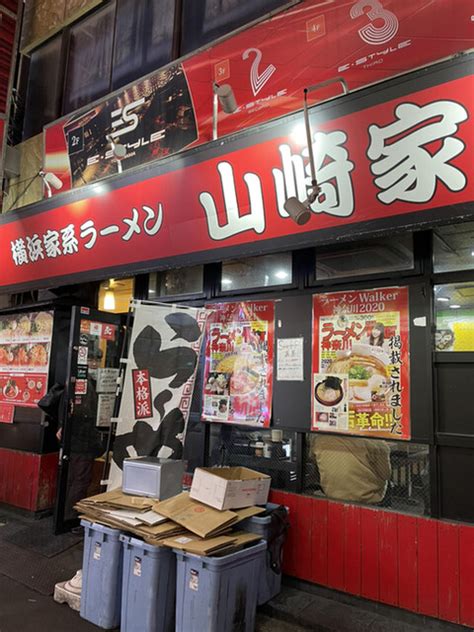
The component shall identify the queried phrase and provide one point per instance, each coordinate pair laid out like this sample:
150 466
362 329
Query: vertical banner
361 363
163 355
238 376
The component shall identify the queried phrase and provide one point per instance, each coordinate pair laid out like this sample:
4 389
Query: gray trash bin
149 587
101 575
218 594
270 582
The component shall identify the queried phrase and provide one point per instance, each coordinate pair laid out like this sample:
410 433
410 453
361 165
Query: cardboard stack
199 522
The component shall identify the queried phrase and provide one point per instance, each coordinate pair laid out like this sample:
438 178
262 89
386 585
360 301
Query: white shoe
74 585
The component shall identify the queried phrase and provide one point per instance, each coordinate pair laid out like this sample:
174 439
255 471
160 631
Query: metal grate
368 471
237 446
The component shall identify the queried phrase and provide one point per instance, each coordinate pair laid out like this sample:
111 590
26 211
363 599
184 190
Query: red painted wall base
28 480
419 564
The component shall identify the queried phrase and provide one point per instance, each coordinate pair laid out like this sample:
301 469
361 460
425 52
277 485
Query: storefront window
144 30
368 471
177 282
89 59
208 20
360 258
256 272
115 295
453 247
43 98
271 452
454 305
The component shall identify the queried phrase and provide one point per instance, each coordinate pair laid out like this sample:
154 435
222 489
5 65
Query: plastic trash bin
101 575
149 587
270 582
218 594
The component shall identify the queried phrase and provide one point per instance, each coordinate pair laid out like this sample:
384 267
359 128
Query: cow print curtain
165 344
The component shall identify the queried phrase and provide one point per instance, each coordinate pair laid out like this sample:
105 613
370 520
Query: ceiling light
226 281
455 307
298 135
443 299
109 300
281 274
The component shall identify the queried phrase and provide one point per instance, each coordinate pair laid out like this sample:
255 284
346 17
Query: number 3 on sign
371 34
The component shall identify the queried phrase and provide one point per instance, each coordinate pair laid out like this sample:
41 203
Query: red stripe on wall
319 572
304 522
427 567
448 556
466 575
352 550
336 546
407 562
369 524
388 556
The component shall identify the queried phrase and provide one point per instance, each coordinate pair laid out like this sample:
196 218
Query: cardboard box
230 487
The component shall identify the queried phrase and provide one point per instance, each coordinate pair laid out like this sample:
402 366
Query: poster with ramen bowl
25 347
238 373
361 363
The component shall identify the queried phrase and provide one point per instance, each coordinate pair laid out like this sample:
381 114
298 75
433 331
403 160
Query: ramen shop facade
369 437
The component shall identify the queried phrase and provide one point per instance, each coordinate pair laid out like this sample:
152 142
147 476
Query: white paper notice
290 360
107 380
105 409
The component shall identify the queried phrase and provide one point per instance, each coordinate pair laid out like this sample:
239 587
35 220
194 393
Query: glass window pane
143 40
254 272
368 471
453 247
89 59
359 258
181 281
207 20
454 305
43 97
272 452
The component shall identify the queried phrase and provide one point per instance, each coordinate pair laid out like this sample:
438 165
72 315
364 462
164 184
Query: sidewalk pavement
29 572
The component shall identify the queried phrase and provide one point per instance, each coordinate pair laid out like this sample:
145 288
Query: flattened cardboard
230 487
194 516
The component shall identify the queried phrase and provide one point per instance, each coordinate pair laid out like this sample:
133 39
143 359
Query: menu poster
238 373
25 347
361 363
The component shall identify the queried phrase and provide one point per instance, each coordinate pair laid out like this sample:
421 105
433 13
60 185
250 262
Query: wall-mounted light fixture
119 151
224 95
300 212
50 181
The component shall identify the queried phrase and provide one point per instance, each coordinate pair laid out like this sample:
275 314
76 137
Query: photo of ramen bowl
245 371
10 390
329 392
367 374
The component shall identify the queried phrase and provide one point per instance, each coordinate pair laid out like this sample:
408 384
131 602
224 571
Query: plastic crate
218 594
101 575
149 587
270 582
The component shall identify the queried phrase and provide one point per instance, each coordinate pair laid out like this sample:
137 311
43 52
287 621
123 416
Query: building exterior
194 217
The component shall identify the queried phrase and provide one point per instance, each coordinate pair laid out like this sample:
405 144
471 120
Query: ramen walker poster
361 363
238 373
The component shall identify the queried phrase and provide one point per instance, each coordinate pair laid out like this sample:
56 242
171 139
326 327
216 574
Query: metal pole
215 107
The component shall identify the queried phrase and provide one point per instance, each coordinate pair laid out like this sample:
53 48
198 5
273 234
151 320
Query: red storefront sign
400 157
268 66
142 393
361 363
